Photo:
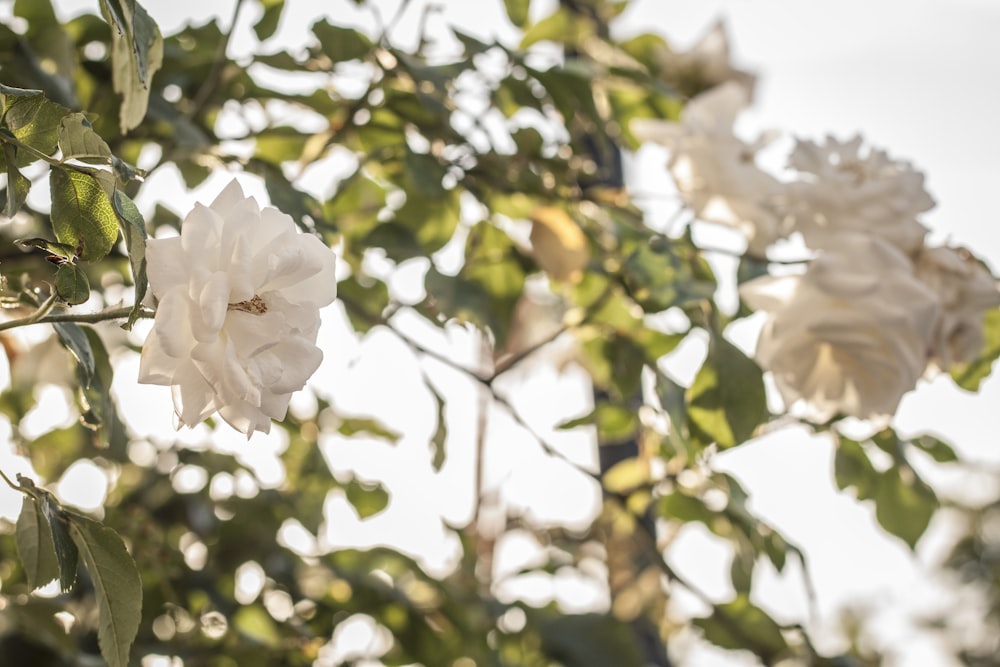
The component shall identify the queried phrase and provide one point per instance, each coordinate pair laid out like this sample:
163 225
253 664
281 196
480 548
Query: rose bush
237 299
851 335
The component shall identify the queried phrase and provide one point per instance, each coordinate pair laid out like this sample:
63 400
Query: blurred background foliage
513 157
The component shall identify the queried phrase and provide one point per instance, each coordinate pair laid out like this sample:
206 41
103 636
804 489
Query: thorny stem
40 316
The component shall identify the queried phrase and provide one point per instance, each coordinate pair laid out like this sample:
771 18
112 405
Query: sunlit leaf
904 504
517 11
970 375
742 625
368 498
32 119
77 140
82 213
726 401
117 587
136 54
353 425
340 44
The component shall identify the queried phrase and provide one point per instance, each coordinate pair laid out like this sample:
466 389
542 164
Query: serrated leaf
72 284
35 546
65 548
18 185
340 44
74 339
726 401
368 498
78 140
117 587
136 54
82 213
904 504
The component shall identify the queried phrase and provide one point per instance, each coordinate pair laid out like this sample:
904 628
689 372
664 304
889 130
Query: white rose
841 190
238 295
714 171
966 289
851 335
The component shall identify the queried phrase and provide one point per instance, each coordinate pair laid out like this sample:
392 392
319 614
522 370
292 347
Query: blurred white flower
714 170
842 190
851 335
706 64
238 295
966 289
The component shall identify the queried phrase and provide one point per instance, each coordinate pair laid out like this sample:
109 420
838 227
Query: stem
40 316
212 81
14 141
16 487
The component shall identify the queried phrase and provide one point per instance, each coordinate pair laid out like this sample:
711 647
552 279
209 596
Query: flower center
254 306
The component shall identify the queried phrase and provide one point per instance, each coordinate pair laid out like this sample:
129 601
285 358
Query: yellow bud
558 245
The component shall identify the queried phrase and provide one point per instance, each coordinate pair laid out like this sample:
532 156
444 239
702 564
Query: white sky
917 77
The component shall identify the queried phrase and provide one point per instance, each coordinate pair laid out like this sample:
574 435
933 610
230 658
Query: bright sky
916 77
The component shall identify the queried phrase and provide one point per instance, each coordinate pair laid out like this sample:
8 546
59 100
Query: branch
40 316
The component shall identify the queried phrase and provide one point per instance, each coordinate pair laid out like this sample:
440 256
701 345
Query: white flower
842 190
238 295
714 170
966 289
851 335
706 64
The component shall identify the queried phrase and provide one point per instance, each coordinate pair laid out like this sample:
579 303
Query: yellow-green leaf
726 401
78 140
136 54
82 214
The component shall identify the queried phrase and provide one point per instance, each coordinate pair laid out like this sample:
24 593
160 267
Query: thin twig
40 317
211 82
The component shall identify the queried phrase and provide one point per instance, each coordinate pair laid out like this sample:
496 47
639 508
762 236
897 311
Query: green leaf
667 273
970 375
440 434
555 27
72 284
133 229
78 140
937 449
368 498
18 185
904 504
517 11
136 54
63 250
74 339
852 467
66 552
35 546
353 425
589 640
340 44
33 120
117 587
742 625
268 23
82 213
726 401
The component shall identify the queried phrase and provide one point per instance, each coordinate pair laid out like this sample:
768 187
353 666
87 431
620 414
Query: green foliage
444 162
